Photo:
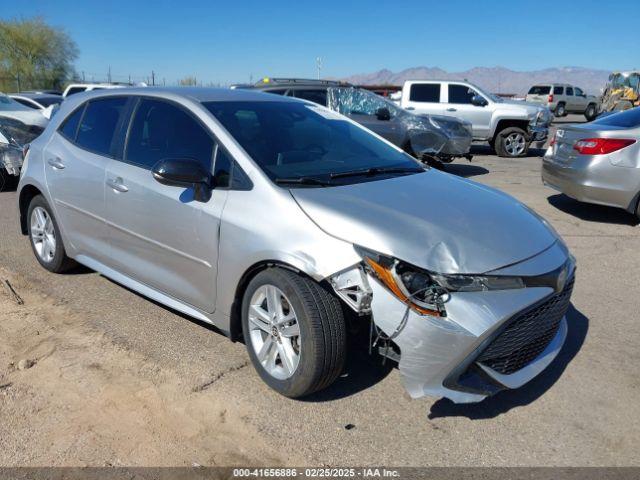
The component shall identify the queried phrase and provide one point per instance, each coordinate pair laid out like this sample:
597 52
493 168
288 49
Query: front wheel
294 331
512 142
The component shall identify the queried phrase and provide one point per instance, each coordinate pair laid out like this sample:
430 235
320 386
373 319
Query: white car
509 126
86 87
36 101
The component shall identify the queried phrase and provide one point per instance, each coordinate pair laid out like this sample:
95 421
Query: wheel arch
508 123
27 193
235 321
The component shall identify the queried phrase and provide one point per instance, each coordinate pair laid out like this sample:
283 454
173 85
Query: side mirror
478 101
383 113
184 173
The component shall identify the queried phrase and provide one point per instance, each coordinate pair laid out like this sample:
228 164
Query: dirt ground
70 397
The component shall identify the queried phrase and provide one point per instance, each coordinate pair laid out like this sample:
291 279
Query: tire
591 112
45 238
512 142
638 209
308 362
4 179
561 110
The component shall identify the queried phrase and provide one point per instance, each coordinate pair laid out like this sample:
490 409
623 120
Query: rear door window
97 129
425 92
540 90
161 130
569 91
558 90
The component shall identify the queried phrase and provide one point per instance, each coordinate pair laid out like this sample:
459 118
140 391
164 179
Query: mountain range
493 79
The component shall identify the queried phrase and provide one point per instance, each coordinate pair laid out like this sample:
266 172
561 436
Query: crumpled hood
433 220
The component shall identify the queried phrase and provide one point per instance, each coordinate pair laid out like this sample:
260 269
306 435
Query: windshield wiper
303 181
367 172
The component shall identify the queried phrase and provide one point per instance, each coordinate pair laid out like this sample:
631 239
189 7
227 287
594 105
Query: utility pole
319 65
153 78
83 80
109 74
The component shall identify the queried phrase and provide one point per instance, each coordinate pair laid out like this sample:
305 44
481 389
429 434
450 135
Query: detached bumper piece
521 341
538 133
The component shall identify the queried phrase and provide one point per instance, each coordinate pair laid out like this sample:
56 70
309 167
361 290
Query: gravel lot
584 410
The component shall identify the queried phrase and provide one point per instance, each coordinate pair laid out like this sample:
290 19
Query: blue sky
229 41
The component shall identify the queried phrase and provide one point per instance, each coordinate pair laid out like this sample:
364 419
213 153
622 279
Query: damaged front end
15 137
463 337
430 138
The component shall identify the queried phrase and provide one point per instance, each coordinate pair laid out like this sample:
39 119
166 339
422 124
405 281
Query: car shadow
486 150
506 400
591 212
464 169
362 371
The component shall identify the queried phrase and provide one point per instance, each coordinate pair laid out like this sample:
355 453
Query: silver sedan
289 225
598 162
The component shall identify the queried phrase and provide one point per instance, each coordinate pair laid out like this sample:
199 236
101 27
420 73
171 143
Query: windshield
493 97
298 141
357 101
17 132
626 119
8 104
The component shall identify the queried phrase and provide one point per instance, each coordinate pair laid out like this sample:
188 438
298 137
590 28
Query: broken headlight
426 292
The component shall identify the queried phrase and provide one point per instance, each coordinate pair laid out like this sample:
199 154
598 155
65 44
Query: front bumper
538 133
592 179
11 159
442 357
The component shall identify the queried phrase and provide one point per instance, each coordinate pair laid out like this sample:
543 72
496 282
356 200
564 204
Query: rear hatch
539 94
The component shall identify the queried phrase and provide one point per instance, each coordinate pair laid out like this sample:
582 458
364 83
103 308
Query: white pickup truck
510 127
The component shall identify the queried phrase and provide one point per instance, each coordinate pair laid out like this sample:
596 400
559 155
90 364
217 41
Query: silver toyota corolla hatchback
287 224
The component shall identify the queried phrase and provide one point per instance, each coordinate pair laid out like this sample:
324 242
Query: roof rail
289 81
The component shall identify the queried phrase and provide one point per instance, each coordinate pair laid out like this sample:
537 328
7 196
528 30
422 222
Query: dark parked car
434 139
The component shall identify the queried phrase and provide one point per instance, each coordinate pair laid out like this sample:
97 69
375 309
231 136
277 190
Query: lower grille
527 335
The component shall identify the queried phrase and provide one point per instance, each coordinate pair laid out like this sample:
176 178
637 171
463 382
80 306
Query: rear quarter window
558 90
69 126
540 90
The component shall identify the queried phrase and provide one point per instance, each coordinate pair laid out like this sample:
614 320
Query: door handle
117 185
56 163
451 110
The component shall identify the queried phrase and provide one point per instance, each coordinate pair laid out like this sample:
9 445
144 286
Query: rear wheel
591 112
294 331
512 142
46 241
4 178
561 110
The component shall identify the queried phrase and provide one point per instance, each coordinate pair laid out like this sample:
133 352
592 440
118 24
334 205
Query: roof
198 94
273 82
36 96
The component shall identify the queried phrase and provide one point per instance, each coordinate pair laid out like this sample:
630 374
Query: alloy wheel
43 234
515 144
274 332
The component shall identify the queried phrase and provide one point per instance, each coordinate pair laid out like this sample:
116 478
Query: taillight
601 146
553 140
550 99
